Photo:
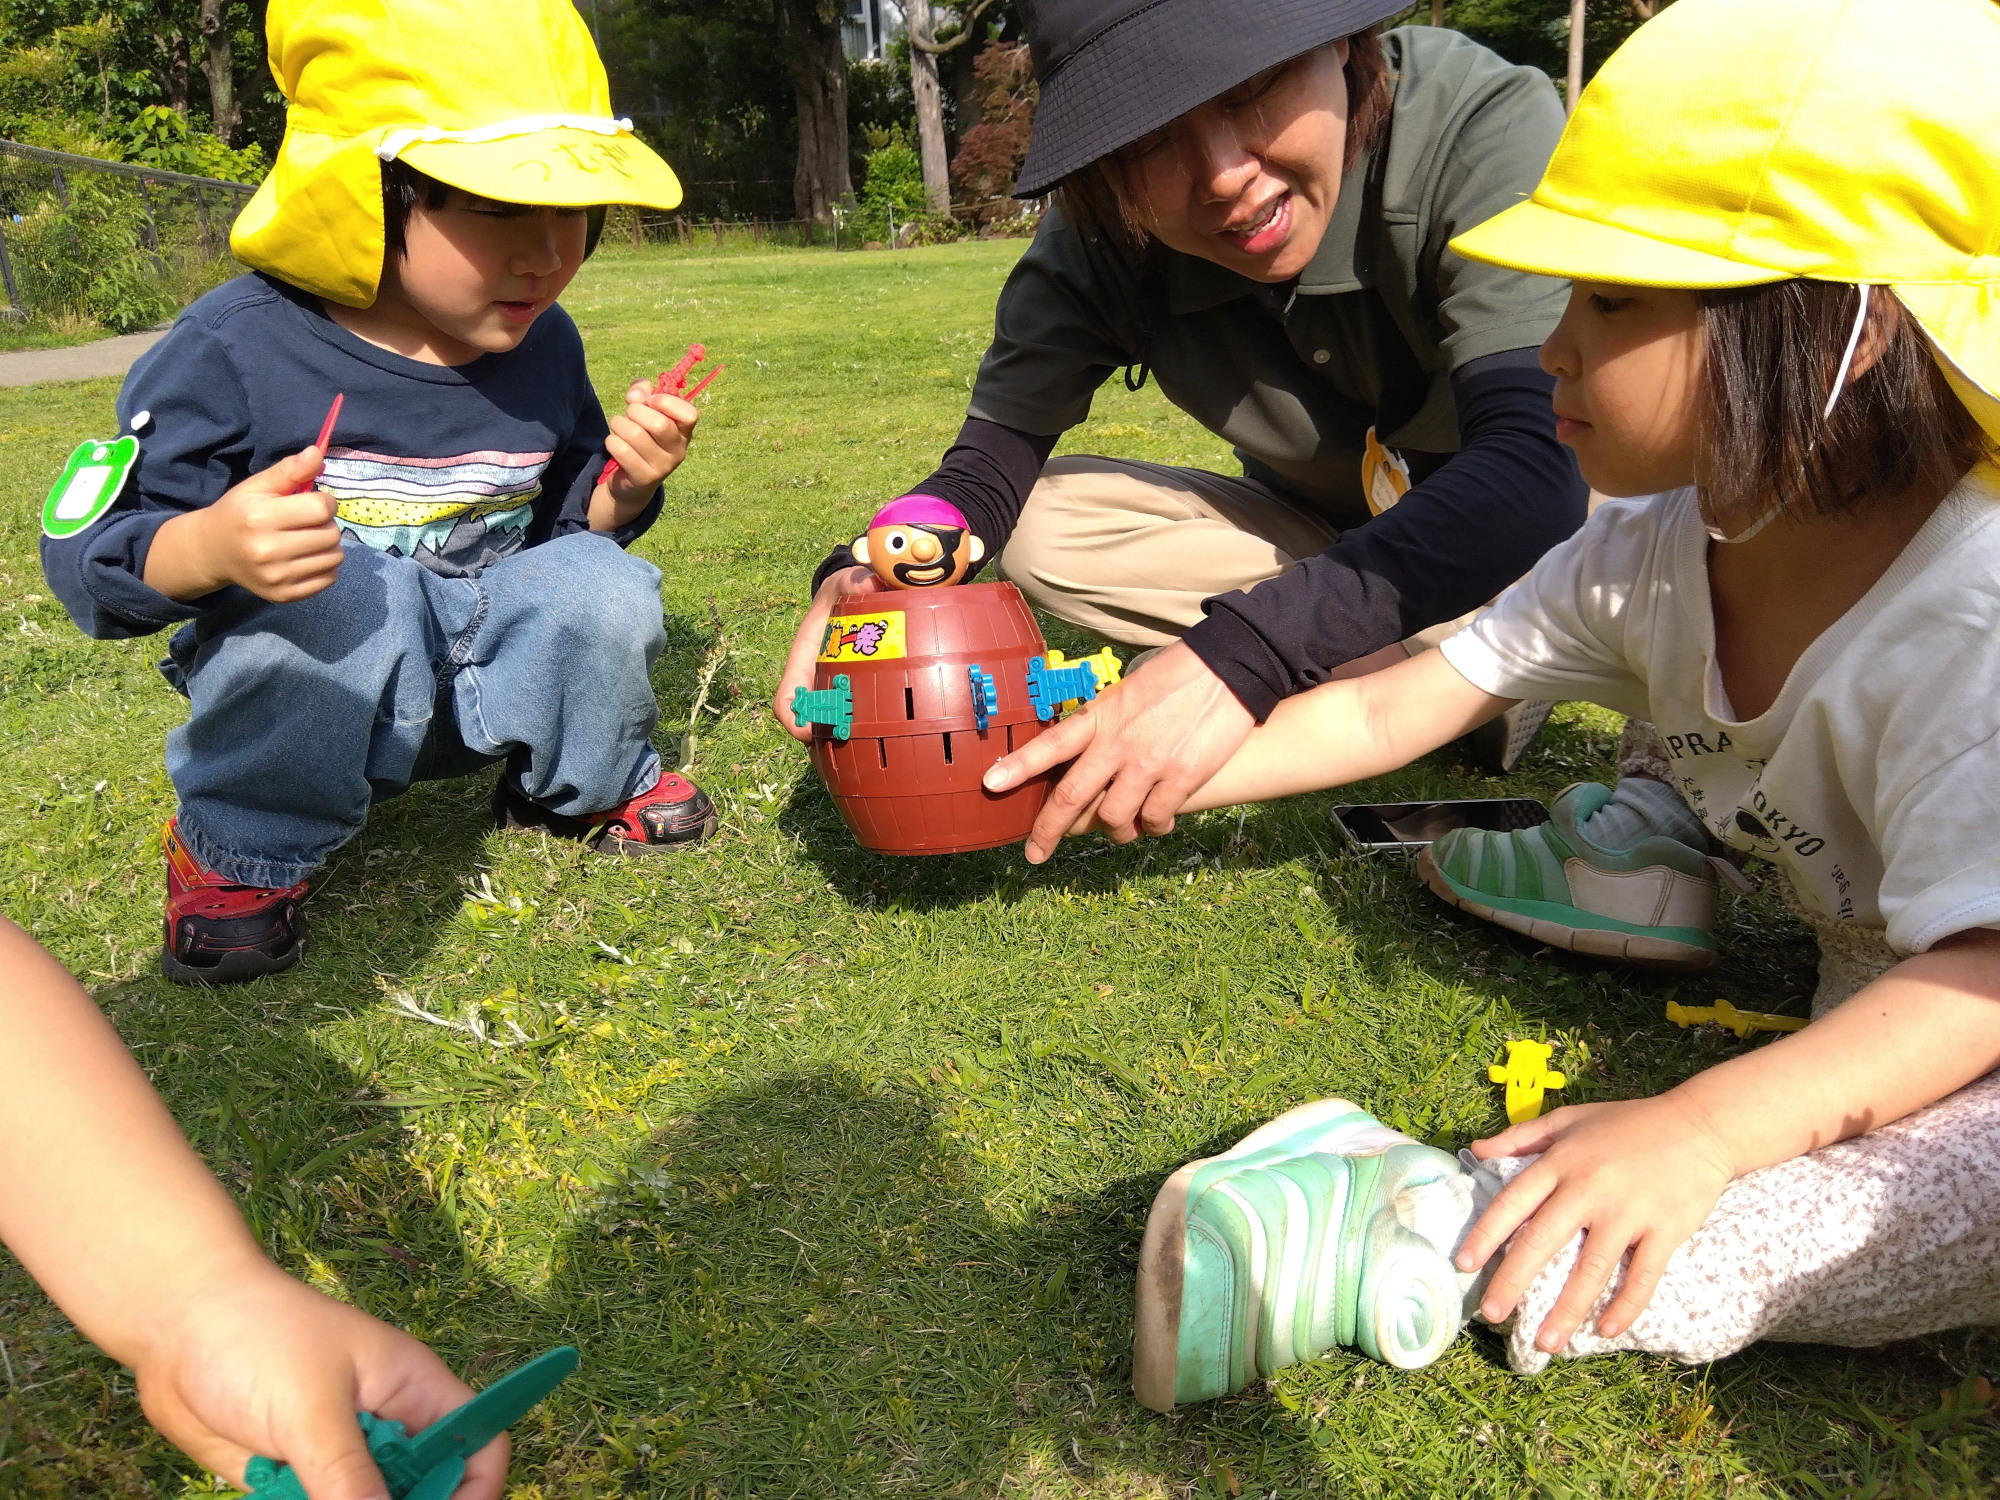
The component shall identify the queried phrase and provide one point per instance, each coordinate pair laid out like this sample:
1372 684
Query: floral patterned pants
1885 1236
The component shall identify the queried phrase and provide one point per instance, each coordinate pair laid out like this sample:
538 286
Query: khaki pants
1128 550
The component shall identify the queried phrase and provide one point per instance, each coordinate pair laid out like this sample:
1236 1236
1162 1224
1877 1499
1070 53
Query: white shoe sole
1156 1322
1660 954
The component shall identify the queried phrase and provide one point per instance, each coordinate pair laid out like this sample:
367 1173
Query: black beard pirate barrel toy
918 690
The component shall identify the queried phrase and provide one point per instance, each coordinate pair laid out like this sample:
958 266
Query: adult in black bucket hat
1252 200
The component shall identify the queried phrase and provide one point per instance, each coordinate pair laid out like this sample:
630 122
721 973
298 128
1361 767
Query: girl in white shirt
1783 337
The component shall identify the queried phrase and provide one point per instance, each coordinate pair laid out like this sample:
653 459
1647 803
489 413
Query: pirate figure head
919 542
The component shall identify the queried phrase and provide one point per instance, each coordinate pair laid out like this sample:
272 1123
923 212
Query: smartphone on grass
1409 826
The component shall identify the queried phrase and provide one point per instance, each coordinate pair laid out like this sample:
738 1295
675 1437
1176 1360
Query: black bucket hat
1113 70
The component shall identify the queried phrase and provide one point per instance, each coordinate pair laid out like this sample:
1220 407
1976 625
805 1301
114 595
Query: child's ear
860 550
978 549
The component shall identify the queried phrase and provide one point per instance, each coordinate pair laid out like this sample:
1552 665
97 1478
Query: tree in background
86 70
990 153
721 88
929 106
878 101
1536 32
218 66
746 98
817 63
926 47
705 82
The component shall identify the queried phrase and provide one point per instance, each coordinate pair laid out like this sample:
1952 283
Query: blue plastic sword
430 1465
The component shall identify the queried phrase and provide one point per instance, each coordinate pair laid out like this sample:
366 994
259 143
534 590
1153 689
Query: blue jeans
305 714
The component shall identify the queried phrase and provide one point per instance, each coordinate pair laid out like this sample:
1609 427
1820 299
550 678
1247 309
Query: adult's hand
1141 751
805 644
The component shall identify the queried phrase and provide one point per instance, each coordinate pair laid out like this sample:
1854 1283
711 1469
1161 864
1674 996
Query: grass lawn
36 334
835 1167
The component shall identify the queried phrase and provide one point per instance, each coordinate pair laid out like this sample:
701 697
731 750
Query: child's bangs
1772 355
405 189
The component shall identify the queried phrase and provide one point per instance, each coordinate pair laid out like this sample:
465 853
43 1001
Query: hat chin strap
396 142
1715 533
1847 358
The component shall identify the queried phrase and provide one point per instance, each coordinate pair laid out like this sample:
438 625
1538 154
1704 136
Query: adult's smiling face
1249 179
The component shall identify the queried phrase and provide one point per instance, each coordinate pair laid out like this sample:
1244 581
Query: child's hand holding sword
648 440
274 534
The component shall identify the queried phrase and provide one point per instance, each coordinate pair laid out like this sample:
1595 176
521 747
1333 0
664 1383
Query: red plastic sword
673 382
325 436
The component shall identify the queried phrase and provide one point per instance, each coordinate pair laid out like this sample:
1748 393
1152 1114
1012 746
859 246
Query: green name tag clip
89 483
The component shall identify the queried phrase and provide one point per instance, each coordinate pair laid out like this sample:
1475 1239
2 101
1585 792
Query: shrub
82 259
895 180
161 138
893 192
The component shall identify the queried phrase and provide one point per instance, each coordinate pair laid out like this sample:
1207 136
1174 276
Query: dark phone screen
1396 823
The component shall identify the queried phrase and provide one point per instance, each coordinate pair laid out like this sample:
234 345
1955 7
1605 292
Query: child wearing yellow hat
1781 224
445 584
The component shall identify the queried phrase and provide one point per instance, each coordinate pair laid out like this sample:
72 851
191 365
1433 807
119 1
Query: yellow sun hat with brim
503 98
1739 142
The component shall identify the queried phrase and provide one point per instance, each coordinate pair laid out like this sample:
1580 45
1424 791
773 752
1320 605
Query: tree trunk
1437 12
1574 83
216 67
176 49
930 108
818 67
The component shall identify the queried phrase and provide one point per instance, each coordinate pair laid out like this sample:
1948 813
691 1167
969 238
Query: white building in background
869 28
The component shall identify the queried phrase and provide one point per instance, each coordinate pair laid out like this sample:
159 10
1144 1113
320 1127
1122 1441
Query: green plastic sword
430 1465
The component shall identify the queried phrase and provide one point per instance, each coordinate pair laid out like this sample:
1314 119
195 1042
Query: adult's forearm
1453 542
987 473
1925 1029
100 1196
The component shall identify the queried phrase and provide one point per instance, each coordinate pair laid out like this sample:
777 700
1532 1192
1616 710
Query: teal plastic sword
430 1465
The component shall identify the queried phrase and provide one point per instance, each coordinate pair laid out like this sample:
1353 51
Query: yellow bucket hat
503 98
1737 142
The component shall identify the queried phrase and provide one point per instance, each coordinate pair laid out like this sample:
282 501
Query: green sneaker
1324 1228
1651 904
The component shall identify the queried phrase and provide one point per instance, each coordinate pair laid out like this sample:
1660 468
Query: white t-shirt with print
1874 779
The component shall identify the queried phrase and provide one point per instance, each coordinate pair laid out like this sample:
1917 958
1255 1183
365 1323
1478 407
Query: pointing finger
1066 741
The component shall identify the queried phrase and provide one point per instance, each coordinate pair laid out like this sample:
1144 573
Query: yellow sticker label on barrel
864 637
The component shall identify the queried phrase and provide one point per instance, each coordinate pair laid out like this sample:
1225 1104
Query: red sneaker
221 933
672 815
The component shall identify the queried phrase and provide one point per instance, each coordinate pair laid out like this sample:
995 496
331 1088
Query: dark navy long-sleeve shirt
452 466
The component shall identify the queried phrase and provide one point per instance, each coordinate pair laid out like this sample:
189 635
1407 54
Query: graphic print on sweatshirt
455 515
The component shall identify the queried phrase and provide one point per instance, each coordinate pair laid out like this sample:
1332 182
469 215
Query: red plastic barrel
906 779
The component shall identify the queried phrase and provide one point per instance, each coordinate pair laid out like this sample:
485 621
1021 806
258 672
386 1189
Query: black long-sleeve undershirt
1455 540
1476 524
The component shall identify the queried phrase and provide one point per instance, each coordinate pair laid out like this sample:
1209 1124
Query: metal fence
181 223
74 229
